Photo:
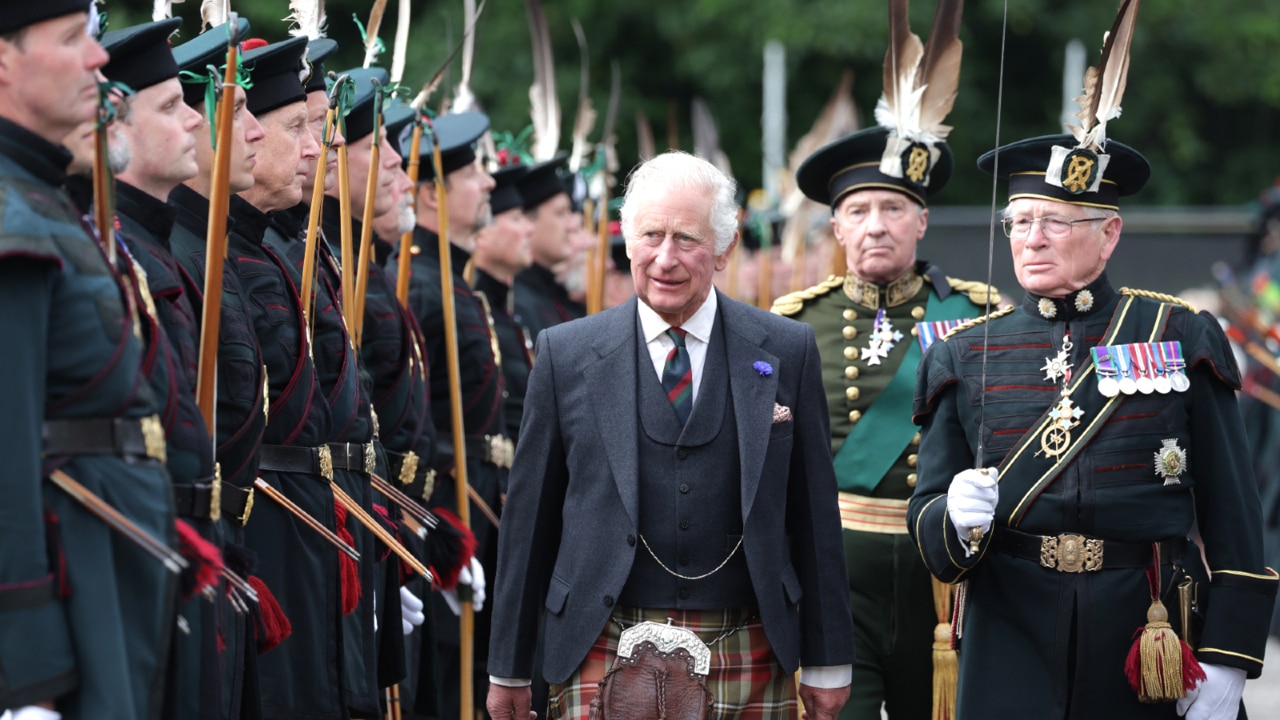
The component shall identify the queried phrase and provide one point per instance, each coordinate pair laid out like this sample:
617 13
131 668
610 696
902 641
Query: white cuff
510 682
826 676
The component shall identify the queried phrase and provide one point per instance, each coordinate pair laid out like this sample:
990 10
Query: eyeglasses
1019 226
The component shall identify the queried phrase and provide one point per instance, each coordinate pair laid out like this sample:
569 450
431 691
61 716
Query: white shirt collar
698 326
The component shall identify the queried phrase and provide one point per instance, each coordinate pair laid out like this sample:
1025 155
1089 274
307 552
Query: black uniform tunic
541 302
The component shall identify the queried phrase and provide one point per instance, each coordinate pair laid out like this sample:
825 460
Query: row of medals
1140 368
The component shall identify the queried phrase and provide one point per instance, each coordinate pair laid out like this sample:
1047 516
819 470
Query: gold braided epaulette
978 321
979 293
792 303
1173 299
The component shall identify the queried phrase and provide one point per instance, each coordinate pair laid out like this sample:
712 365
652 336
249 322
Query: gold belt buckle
429 484
370 459
1071 553
215 494
248 508
153 437
326 462
408 468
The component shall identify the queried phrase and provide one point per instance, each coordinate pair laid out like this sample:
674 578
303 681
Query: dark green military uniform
240 412
542 302
515 353
1100 476
1062 637
97 607
876 445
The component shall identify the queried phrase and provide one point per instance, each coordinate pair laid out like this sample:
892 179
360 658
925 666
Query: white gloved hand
411 615
34 712
471 576
1217 697
971 502
477 585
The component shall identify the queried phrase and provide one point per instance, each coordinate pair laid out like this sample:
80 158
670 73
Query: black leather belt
405 468
316 461
496 450
134 438
212 499
357 457
1068 552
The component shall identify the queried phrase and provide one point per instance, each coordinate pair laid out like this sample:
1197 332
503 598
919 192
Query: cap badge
915 163
1079 170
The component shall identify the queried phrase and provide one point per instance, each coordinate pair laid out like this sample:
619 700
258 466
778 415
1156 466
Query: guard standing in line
240 400
541 301
87 613
873 324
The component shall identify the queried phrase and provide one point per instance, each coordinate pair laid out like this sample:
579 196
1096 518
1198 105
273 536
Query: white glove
411 615
971 502
1217 697
33 712
472 577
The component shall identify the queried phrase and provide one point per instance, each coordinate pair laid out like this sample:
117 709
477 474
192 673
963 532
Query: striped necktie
677 376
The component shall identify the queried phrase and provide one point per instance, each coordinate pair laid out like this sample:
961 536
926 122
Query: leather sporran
660 673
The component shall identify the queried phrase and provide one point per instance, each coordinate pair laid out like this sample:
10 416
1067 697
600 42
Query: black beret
853 163
18 15
1026 164
457 134
140 55
505 194
198 53
276 74
543 182
318 50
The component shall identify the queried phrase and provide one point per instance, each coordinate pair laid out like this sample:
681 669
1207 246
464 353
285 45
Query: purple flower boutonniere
762 367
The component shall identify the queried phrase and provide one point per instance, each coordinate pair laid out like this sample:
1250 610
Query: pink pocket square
781 414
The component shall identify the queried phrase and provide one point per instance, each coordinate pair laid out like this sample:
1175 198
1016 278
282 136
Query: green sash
877 441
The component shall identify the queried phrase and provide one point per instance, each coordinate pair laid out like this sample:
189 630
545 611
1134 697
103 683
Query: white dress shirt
697 334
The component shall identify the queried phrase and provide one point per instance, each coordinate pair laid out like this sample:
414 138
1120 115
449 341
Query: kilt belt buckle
153 437
408 467
666 639
326 462
215 494
1071 553
370 459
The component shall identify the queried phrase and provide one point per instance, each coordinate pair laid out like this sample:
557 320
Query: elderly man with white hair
671 505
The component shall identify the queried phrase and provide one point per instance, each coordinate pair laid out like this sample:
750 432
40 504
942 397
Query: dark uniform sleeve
1242 590
36 659
945 449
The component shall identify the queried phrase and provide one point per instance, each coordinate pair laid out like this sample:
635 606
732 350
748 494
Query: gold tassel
946 666
1155 666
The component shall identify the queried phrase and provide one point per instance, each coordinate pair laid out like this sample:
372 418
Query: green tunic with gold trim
869 389
1055 634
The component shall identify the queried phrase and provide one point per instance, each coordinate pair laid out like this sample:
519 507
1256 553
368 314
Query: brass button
850 332
915 331
916 440
850 315
855 416
911 480
911 460
851 373
917 312
851 353
852 393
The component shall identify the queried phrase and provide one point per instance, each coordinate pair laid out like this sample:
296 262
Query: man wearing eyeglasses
1103 422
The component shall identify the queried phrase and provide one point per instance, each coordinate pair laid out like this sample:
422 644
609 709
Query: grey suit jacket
569 526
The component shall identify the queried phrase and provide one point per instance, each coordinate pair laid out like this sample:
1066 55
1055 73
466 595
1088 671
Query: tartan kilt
746 681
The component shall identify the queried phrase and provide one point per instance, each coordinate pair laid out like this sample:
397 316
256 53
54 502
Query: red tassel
252 44
204 561
382 515
1160 666
348 571
272 626
452 545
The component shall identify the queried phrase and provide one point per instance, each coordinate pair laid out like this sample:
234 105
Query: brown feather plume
585 120
371 32
544 105
939 73
644 136
900 61
1104 83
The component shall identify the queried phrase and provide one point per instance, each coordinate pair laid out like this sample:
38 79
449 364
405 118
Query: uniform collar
874 296
154 216
1083 302
38 156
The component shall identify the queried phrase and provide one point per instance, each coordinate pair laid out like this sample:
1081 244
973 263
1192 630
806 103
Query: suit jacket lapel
616 415
753 394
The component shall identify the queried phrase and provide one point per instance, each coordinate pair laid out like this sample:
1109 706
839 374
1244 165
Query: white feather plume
544 105
307 18
214 12
371 46
162 10
920 81
401 44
